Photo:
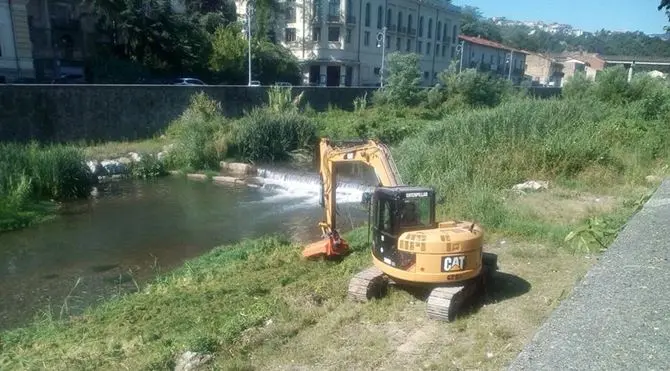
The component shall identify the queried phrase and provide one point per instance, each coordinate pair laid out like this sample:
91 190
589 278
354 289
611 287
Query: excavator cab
394 211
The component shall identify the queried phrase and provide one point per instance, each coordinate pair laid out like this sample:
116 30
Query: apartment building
544 70
340 42
487 55
16 60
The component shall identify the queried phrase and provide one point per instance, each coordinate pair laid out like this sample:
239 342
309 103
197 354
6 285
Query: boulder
531 185
124 160
238 168
191 361
197 176
96 168
113 167
134 156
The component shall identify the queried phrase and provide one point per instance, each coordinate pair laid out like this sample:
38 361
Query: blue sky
588 15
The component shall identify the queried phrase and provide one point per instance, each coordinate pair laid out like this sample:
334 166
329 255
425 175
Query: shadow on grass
501 286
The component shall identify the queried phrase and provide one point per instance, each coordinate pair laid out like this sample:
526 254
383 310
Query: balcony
412 32
351 20
402 30
335 18
391 28
317 19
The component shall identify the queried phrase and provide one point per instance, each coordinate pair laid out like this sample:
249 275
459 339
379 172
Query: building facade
340 42
544 70
487 55
16 61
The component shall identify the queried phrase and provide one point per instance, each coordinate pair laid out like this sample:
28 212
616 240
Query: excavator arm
369 152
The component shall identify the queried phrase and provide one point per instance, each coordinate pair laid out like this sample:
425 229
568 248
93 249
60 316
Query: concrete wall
126 112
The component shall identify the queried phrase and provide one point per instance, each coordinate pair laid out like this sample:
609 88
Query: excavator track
368 284
444 303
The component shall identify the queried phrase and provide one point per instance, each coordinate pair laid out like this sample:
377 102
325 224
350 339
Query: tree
474 24
403 86
665 4
229 51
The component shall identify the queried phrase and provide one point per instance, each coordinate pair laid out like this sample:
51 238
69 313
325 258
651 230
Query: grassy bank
257 305
34 178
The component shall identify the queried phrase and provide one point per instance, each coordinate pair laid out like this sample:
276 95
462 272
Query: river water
129 231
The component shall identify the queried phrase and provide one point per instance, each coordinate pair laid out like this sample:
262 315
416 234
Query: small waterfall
306 186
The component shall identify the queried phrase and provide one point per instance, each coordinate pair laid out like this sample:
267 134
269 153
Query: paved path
618 317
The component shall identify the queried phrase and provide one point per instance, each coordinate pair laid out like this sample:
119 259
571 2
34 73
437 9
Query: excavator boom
368 152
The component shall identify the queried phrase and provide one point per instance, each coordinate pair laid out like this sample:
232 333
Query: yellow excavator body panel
450 253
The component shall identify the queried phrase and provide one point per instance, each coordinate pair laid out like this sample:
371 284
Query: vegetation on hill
524 37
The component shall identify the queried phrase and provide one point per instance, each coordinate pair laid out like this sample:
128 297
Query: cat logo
453 263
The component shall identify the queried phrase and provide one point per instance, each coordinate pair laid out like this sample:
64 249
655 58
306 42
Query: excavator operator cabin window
384 220
415 211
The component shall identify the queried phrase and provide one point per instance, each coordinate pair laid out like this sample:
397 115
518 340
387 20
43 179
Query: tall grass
33 173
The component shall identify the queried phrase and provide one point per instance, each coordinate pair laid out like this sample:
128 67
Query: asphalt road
618 316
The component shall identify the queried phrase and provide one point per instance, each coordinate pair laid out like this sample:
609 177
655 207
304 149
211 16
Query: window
333 8
388 42
444 50
444 33
437 30
397 43
399 20
366 38
409 45
420 26
290 11
348 37
367 15
453 51
419 47
430 28
389 14
333 34
427 48
409 22
316 34
377 71
380 15
453 34
289 34
491 59
425 75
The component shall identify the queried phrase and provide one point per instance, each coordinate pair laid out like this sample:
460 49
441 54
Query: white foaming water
305 188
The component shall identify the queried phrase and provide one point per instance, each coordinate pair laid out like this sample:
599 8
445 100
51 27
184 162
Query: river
129 231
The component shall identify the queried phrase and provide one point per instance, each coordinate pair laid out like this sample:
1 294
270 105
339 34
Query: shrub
474 88
577 87
200 135
403 86
265 135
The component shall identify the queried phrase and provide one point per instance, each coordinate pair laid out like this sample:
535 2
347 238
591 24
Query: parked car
188 81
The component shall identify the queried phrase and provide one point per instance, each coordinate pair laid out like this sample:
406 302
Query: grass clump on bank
34 177
202 136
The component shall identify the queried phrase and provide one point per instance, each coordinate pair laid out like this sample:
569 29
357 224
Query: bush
266 135
200 136
475 89
577 87
403 86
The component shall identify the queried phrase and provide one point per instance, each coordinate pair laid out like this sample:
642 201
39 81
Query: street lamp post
459 49
247 13
381 42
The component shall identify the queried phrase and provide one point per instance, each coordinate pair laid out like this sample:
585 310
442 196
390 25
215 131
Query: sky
587 15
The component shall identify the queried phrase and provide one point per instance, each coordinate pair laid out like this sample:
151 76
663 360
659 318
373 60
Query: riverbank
223 304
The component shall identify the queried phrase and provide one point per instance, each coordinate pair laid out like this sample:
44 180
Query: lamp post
510 60
248 12
381 42
459 50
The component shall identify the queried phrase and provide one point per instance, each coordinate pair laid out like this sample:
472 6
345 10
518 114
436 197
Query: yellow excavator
409 248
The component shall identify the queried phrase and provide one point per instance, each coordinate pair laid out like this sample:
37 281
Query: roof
488 43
